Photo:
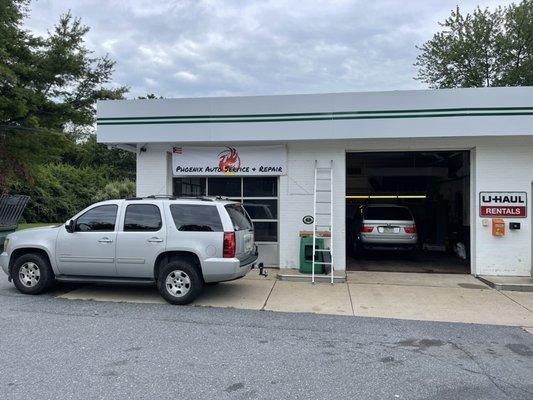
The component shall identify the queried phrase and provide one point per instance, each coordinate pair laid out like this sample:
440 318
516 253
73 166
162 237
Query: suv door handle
105 240
155 239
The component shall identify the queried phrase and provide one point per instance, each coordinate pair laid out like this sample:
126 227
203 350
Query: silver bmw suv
177 244
386 227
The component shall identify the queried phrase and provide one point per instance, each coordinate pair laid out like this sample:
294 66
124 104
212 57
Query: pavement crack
482 371
514 301
268 297
350 296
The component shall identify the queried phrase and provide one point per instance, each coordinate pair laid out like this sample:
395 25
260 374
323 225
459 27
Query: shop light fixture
388 196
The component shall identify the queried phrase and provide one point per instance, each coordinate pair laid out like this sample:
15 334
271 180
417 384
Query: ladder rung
323 168
322 190
323 225
322 263
322 250
323 179
322 213
323 202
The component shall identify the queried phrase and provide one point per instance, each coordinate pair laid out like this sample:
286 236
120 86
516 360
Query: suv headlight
6 244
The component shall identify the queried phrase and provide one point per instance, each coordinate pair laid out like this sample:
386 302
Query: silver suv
386 227
177 244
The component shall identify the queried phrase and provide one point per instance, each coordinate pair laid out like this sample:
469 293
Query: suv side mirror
70 225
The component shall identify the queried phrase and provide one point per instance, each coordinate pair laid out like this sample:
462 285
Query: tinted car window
388 213
142 217
238 217
196 217
98 219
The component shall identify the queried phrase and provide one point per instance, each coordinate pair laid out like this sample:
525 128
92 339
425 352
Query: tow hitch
262 270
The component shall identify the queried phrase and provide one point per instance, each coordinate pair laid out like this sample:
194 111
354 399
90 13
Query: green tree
485 48
48 89
88 153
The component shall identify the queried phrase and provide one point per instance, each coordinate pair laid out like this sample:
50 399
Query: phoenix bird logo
229 160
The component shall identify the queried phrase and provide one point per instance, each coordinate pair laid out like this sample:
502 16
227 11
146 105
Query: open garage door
408 211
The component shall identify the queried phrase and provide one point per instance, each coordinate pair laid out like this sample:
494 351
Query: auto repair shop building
461 160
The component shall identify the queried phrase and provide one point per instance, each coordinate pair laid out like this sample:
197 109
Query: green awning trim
319 116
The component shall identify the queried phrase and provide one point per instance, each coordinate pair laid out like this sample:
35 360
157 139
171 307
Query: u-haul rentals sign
229 160
503 204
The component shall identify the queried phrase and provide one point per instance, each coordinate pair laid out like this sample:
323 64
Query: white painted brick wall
296 198
153 171
507 166
497 164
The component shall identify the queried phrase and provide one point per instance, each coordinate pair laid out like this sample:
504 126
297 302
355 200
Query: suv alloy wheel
32 274
179 282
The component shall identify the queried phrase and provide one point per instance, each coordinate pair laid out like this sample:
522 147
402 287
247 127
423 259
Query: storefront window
260 187
266 231
258 195
189 187
261 209
228 187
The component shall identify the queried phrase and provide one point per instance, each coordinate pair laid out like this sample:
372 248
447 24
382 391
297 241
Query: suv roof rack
153 196
169 197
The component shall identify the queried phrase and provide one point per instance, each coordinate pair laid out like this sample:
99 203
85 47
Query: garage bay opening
408 211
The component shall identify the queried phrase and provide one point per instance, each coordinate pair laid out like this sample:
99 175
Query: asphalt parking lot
54 348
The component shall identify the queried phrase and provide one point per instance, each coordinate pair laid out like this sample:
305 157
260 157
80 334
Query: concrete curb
498 285
307 278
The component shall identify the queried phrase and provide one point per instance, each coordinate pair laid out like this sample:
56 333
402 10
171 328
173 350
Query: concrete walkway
425 297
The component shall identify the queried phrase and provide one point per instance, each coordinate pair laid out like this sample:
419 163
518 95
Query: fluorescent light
389 196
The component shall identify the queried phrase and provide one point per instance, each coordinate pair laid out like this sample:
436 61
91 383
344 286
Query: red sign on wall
503 204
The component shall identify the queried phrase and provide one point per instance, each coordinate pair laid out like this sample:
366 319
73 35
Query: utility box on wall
498 227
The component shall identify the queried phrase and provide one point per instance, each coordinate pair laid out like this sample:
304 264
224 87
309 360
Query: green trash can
4 231
306 255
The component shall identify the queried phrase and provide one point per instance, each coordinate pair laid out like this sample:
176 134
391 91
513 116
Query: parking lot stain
520 349
234 387
117 363
471 286
421 343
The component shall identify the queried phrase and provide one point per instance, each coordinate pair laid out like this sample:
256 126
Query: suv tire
32 274
179 282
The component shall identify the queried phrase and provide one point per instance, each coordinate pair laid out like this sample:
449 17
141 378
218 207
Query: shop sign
229 160
503 204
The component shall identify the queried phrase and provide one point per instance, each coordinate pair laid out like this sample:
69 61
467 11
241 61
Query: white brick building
445 147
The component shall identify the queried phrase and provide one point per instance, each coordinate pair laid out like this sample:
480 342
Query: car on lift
177 244
385 227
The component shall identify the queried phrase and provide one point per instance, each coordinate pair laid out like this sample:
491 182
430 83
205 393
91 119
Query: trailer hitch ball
262 270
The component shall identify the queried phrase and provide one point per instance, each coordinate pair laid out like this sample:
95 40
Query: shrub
59 191
116 190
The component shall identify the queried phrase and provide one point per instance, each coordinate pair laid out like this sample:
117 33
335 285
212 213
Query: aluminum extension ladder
323 217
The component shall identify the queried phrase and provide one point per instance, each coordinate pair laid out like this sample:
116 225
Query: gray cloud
206 48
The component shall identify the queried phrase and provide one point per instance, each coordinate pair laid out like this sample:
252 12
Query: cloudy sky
188 48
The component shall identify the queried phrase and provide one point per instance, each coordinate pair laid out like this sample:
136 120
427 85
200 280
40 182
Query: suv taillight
410 229
367 229
229 245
